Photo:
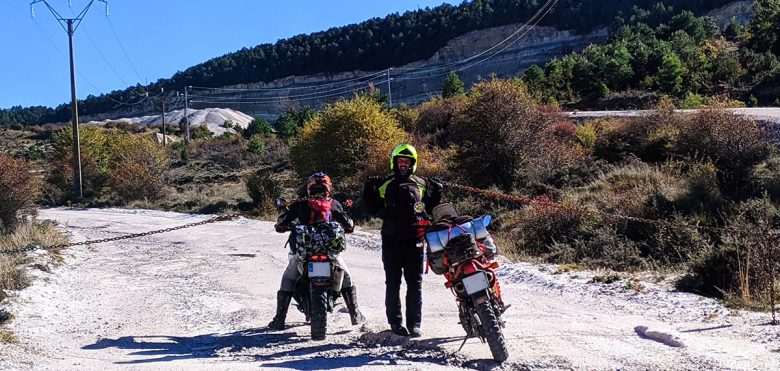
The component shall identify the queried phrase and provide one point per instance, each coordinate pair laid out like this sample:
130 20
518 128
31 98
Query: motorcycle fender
480 297
321 282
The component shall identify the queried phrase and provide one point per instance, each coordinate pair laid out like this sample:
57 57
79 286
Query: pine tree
453 86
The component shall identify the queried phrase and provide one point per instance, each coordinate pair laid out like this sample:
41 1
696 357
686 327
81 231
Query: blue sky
160 37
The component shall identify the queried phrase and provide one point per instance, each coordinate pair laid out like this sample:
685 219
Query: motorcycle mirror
347 203
280 202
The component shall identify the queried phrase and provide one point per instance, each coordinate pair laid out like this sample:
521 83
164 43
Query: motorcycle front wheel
492 332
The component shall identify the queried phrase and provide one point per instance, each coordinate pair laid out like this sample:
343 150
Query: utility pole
165 134
72 25
186 116
389 93
163 101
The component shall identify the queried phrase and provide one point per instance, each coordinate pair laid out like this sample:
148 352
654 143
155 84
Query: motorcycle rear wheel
319 314
492 331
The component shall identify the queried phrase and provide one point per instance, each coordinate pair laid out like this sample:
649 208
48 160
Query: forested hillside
664 51
374 44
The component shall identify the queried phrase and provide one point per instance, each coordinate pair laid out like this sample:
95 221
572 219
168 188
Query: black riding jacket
302 211
393 199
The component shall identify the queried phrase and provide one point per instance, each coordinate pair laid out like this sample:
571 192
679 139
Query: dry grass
12 276
7 337
199 198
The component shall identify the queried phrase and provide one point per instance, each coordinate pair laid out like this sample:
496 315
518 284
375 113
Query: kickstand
462 344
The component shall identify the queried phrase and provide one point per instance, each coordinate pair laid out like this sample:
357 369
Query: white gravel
200 299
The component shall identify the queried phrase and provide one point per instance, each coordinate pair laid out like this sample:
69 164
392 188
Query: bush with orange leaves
506 138
733 143
137 169
18 192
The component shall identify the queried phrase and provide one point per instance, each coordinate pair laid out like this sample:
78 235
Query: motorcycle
461 249
317 248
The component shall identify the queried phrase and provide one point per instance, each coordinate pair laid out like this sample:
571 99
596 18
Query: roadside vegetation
709 180
19 190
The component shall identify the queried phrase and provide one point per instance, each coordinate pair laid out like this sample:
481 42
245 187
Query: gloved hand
372 183
436 184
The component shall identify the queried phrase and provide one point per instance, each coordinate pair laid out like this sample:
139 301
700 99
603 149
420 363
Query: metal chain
549 204
33 247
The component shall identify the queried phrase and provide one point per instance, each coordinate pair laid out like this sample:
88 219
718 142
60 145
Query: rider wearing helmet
403 201
317 207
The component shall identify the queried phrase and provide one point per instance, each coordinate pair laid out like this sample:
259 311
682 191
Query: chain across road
119 238
491 194
554 205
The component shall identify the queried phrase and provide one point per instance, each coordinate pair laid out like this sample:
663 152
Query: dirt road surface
200 299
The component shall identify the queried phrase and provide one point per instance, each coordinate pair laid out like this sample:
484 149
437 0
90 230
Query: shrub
256 145
745 265
12 275
733 143
263 190
693 100
292 120
18 192
586 136
505 138
258 126
348 137
200 132
407 117
635 189
137 169
767 178
224 152
651 138
437 115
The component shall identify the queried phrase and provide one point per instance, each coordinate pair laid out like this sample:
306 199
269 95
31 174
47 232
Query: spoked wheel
492 332
319 311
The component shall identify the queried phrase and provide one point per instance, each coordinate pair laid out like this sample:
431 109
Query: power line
94 44
295 88
406 74
280 99
525 25
72 25
536 22
295 95
111 25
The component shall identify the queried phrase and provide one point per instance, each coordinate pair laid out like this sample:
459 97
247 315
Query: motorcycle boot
282 304
350 299
414 330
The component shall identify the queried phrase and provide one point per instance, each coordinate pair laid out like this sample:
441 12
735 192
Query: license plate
319 269
475 283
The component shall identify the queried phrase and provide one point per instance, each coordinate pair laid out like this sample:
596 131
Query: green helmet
404 150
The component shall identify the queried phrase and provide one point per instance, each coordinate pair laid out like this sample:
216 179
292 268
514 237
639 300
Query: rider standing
403 201
318 207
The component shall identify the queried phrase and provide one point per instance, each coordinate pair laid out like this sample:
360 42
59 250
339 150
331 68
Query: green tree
536 81
453 86
291 121
765 27
258 126
670 75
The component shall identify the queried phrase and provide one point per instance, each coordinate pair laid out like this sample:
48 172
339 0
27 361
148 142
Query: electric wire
342 89
94 44
64 58
522 31
296 88
121 46
224 100
525 25
528 30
